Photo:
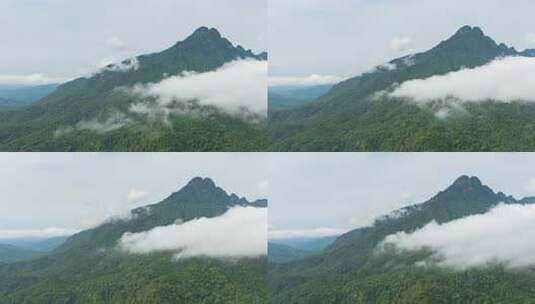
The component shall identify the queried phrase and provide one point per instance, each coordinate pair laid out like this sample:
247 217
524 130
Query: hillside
278 253
353 117
90 268
100 112
40 245
10 253
287 97
26 94
352 271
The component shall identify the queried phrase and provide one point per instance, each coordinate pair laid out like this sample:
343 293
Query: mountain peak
204 31
201 182
472 41
469 181
205 38
469 30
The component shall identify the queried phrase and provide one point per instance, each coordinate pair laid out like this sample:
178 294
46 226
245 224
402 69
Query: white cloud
114 122
32 79
386 66
263 188
304 233
240 232
116 43
506 80
236 86
530 37
530 186
505 235
11 234
123 66
310 80
400 44
135 195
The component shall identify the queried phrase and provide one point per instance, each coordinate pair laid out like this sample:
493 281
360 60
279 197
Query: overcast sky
74 191
339 191
348 37
64 38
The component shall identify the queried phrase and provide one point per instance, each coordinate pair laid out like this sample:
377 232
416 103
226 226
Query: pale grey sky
79 190
65 38
348 37
339 191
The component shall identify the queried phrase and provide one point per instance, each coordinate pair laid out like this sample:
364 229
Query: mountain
39 245
352 117
287 250
89 267
308 244
26 94
95 113
288 96
277 102
278 253
9 104
10 253
350 271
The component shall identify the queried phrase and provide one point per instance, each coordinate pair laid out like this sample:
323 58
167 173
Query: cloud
116 44
310 80
240 232
32 79
236 87
123 66
400 44
530 186
386 67
304 233
506 80
12 234
504 235
135 195
530 37
114 122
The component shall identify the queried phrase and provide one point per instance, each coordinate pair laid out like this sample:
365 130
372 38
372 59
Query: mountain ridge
103 103
90 268
200 197
350 116
351 270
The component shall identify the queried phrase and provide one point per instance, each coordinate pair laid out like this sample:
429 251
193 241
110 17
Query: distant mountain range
349 271
88 267
14 250
287 97
10 253
286 250
351 117
13 97
94 114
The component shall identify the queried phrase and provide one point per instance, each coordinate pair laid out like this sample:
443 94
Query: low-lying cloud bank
240 232
311 80
304 233
28 80
236 87
505 234
115 121
506 80
12 234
